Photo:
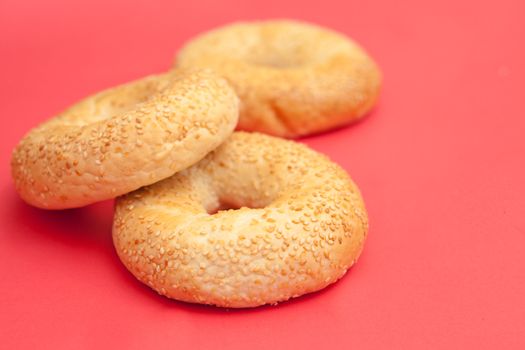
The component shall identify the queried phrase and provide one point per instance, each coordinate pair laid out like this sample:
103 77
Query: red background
440 163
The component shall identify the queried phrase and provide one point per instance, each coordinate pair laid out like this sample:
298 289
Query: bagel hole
225 205
277 60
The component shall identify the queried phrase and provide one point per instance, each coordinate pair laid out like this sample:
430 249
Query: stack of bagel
204 213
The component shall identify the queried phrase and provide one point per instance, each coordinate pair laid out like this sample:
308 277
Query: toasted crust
309 228
123 138
293 78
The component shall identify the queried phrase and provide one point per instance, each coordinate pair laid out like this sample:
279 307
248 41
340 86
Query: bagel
257 221
293 78
124 138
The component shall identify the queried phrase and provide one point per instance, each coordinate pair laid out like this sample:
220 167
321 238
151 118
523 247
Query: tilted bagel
124 138
300 224
293 78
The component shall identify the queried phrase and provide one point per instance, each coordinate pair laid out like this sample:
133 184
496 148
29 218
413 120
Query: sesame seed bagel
259 220
124 138
293 78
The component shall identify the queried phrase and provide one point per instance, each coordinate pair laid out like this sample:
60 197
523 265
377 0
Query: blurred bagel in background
293 78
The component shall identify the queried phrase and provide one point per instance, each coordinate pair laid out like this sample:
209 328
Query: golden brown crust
309 230
123 138
293 78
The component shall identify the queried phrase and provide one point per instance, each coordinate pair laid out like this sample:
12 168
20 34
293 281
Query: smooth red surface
440 163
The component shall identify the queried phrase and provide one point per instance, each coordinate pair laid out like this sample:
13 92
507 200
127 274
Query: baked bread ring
124 138
300 224
293 78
